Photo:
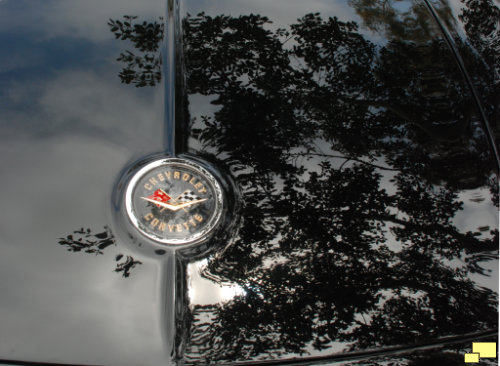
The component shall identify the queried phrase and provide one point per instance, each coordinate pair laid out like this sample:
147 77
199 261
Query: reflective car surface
355 144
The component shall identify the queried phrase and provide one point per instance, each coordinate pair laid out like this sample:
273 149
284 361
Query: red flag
160 195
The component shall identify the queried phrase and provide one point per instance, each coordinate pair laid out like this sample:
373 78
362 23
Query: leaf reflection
351 158
84 240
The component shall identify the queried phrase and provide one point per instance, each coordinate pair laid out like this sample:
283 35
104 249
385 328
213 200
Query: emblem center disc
174 201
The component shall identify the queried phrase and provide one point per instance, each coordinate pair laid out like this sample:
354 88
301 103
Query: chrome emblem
174 201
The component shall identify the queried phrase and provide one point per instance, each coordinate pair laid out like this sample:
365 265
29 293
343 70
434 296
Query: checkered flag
187 196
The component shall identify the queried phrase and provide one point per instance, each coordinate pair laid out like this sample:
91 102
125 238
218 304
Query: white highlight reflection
204 291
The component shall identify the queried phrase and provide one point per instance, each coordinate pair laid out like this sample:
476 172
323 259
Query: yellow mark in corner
471 357
485 349
481 350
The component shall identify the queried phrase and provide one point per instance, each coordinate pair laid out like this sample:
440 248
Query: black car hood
355 140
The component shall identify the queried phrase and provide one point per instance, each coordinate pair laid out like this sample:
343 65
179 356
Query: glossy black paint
361 156
68 127
365 194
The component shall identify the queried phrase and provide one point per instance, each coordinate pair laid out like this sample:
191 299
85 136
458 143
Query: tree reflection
83 240
350 158
402 20
482 24
143 66
481 19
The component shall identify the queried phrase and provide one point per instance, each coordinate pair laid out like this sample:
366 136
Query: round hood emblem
174 201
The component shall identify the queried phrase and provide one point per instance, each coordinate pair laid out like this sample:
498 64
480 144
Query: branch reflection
84 240
143 65
360 166
354 160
